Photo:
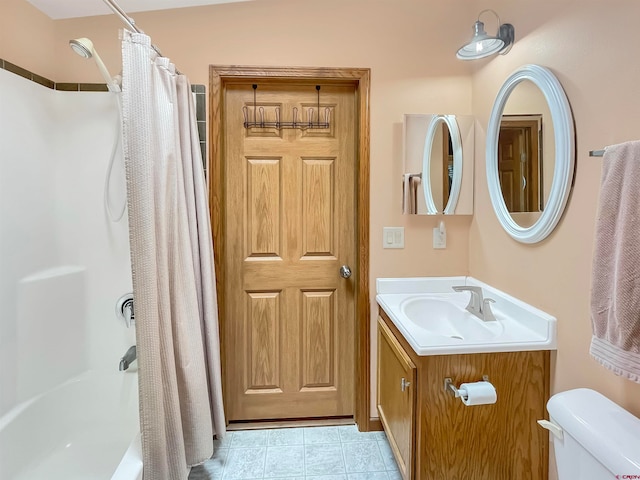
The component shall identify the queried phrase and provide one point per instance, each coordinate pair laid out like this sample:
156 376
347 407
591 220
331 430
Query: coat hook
245 114
261 110
311 117
318 90
255 87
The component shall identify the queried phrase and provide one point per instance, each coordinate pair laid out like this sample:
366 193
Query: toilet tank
600 440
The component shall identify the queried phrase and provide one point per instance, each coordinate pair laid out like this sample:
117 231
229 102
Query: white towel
615 292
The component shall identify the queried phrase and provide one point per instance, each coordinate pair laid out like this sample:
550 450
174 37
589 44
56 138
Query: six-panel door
290 226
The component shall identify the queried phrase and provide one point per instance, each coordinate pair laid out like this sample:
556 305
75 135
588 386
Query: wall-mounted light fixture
482 45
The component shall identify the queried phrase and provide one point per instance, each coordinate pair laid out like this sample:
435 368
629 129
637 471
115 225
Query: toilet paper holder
453 390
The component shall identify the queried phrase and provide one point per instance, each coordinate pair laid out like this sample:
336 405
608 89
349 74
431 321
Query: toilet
594 439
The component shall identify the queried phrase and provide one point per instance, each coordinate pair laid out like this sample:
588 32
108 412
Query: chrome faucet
478 305
128 358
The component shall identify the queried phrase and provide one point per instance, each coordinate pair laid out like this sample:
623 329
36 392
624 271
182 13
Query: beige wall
26 37
409 45
590 46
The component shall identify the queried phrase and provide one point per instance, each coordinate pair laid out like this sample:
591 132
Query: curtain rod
130 22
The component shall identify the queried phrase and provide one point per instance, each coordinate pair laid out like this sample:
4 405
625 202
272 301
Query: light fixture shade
483 45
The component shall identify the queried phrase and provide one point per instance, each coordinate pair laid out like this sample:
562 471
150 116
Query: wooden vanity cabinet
397 398
434 436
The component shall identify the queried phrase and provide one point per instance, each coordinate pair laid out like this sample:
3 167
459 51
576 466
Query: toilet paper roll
478 393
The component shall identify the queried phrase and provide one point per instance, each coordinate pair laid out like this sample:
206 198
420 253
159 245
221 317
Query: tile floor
318 453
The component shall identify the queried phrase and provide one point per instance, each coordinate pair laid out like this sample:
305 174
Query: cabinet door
396 398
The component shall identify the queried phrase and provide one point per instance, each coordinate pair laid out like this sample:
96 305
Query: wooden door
396 398
519 165
447 164
289 227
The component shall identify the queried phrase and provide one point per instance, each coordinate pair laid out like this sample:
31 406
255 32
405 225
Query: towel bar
596 153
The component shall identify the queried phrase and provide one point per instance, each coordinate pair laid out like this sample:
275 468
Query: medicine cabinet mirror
438 164
530 153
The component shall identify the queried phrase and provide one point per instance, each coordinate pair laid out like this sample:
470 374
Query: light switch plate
393 237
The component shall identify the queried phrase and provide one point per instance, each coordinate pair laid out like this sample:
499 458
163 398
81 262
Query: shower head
84 48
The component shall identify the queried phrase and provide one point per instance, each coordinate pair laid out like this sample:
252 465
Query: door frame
219 76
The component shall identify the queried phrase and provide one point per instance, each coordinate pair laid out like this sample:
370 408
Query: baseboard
305 422
375 425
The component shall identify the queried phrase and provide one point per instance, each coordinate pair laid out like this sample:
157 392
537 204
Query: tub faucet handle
125 310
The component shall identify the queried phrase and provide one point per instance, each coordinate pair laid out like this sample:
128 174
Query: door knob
345 271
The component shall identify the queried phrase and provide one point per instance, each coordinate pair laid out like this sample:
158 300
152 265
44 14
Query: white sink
445 315
433 319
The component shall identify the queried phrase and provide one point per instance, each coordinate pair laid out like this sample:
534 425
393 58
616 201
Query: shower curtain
172 263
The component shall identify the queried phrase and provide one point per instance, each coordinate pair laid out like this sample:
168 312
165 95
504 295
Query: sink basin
434 320
446 317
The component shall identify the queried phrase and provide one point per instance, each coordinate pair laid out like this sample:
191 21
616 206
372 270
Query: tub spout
128 358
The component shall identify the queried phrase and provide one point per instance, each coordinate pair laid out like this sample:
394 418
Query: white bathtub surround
65 410
78 430
433 319
131 467
43 365
172 264
615 303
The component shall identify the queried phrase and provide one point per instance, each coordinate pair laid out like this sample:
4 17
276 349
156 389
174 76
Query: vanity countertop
433 319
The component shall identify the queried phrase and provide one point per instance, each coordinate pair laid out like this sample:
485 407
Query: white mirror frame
564 154
456 181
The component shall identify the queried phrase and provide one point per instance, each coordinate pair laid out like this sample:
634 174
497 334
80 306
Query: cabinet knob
404 384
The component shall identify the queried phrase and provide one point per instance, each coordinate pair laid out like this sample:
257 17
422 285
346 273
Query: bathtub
85 428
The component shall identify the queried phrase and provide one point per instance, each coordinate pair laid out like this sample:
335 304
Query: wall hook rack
259 121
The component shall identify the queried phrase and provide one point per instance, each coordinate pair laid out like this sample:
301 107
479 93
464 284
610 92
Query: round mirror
530 153
442 165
